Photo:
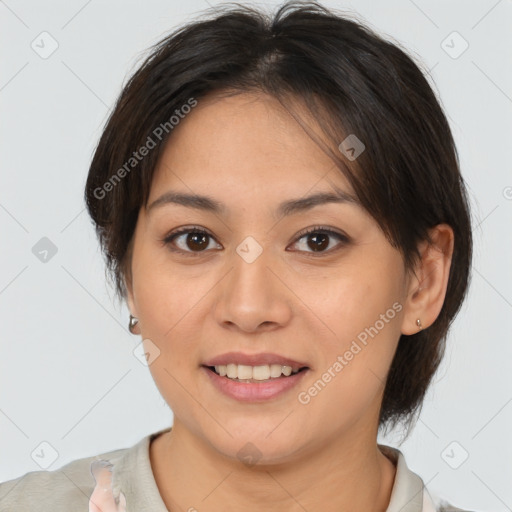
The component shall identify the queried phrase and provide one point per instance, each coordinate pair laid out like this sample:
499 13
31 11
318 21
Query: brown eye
196 241
190 240
318 239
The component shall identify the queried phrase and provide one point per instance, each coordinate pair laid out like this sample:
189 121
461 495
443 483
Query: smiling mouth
254 374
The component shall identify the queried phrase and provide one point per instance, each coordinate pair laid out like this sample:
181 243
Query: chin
258 448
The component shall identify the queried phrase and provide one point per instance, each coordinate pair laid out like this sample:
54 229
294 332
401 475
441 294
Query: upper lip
254 360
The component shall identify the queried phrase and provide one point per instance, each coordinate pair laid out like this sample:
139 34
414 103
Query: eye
320 240
196 240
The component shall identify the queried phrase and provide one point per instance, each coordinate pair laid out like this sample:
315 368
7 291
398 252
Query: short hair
353 82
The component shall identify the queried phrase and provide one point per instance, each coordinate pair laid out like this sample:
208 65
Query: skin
250 154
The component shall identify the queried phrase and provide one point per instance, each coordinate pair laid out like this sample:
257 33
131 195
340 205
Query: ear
427 284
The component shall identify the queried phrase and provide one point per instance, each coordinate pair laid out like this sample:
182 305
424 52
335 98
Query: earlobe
428 284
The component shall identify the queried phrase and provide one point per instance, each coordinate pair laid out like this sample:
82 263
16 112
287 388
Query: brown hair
407 177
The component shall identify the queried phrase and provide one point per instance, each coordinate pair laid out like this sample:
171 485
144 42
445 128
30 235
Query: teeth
232 371
275 370
262 372
244 372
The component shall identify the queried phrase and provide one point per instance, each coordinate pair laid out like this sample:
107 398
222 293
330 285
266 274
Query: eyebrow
286 208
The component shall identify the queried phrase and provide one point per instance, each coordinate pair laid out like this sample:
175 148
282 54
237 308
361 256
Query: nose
253 297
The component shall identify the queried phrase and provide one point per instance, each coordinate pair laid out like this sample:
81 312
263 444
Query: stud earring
418 323
132 323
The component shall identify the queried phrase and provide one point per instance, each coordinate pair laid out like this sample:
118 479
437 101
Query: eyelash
344 239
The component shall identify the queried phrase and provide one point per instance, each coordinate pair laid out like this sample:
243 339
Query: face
249 279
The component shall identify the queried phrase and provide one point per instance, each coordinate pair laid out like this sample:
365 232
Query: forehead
246 145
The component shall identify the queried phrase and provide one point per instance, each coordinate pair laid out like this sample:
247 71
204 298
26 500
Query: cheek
350 304
362 311
165 294
165 304
348 385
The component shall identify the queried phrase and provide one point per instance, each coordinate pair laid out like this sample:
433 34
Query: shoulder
63 489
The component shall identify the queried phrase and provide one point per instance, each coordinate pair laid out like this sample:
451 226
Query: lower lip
254 391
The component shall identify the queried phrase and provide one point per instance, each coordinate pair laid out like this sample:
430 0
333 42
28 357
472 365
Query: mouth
254 374
254 384
254 377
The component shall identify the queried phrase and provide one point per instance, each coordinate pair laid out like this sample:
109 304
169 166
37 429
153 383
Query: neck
349 474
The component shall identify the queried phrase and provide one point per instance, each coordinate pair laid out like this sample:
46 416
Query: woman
280 205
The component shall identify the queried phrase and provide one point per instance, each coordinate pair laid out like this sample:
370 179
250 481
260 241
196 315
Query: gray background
68 375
